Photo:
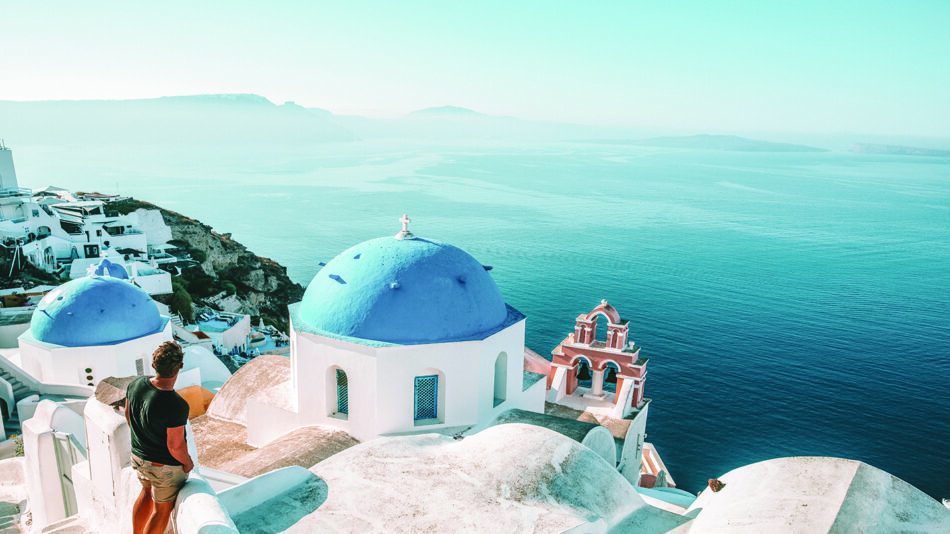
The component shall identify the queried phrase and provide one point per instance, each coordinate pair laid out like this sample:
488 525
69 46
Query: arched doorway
338 393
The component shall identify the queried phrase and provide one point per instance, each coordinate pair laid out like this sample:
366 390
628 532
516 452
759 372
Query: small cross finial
405 233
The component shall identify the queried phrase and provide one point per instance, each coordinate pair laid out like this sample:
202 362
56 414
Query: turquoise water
790 304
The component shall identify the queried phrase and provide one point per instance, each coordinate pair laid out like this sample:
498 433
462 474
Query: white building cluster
57 232
52 228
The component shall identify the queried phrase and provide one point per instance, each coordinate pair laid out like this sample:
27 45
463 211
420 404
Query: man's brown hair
167 359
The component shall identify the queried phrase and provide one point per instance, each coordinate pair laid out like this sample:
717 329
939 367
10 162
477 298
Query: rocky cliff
223 273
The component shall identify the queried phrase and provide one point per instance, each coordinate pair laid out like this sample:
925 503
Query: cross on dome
405 233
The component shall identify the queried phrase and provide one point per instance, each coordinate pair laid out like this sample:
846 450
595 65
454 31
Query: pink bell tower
600 355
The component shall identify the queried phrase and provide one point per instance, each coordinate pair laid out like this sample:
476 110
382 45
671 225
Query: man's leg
159 519
142 510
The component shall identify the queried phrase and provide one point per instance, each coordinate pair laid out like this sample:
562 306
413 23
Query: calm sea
790 303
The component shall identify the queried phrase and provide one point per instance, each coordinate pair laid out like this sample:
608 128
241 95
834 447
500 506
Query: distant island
719 142
442 111
898 150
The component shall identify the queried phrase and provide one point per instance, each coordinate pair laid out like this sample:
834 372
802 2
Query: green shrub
228 287
181 304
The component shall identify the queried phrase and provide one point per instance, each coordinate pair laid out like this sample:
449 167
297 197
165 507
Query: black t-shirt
152 412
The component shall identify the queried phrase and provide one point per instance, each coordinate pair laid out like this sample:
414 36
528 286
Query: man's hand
178 448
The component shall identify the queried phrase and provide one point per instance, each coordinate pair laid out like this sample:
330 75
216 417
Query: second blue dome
95 311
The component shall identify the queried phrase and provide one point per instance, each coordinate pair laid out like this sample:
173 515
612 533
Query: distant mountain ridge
251 118
193 119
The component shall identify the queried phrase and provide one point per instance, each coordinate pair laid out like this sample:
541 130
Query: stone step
12 422
11 380
71 525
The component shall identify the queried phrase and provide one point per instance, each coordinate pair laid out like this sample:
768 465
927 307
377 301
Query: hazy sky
824 66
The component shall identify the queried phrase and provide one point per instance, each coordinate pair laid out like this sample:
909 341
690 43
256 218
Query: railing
63 390
16 192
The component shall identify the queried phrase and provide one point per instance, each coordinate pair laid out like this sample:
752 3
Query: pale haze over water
869 67
790 303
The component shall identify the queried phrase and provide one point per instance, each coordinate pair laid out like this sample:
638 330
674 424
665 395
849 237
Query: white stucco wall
632 452
381 382
47 499
10 332
459 385
55 364
236 336
151 223
310 361
267 422
6 394
211 372
511 342
8 178
155 284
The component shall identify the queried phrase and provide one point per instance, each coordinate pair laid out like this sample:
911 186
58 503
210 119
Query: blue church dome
95 311
407 291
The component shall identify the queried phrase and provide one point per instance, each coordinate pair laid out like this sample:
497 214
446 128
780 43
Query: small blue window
342 393
426 397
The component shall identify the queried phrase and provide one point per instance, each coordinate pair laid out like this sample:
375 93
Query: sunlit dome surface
95 311
407 291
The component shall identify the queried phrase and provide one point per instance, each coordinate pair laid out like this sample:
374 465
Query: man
157 415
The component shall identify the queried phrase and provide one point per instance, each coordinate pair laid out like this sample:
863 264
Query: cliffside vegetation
221 273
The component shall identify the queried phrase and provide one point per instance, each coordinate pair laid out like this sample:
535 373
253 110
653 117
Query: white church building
400 335
91 328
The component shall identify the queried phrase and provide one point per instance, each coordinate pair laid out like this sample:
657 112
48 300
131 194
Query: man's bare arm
178 447
127 412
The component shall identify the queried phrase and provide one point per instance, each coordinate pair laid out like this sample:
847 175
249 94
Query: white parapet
199 511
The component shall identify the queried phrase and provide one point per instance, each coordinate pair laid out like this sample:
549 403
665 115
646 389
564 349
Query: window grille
426 397
342 393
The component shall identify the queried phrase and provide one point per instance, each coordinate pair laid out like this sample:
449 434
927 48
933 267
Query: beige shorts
165 480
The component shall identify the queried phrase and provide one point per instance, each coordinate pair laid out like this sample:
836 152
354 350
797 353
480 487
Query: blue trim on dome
95 311
405 292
